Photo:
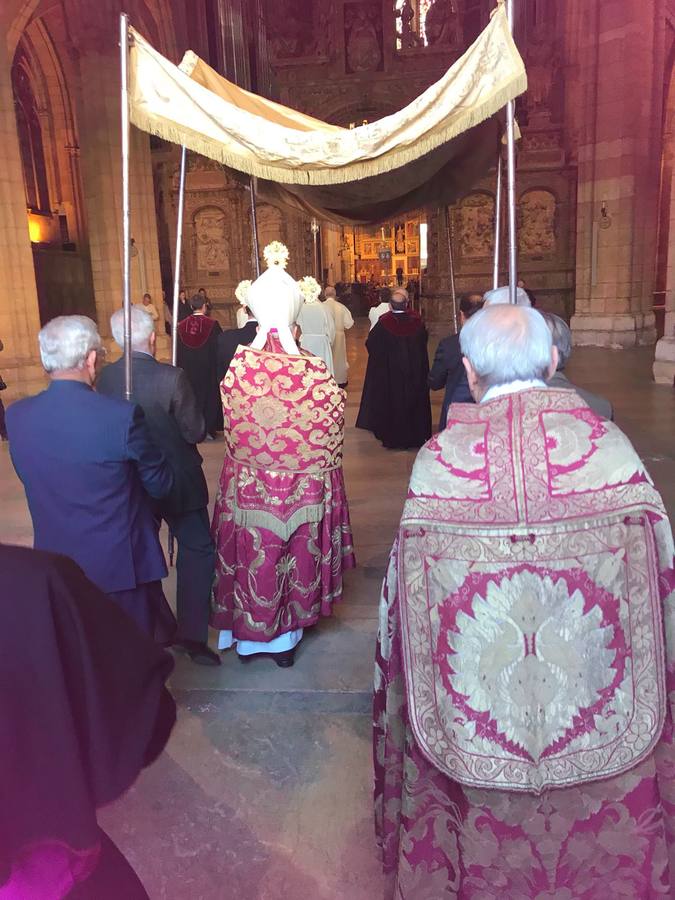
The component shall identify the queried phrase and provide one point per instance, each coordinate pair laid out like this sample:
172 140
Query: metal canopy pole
498 223
511 179
315 240
254 228
126 220
448 229
179 250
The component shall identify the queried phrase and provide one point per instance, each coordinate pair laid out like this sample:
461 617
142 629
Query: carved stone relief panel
537 225
212 243
443 26
475 217
363 37
301 30
270 226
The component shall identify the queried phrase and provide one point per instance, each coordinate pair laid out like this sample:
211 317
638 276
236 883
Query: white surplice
318 331
342 319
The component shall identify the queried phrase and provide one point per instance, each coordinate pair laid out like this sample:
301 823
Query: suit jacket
228 342
88 464
174 420
448 371
598 404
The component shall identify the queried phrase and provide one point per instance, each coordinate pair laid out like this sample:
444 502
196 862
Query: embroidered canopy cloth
281 521
195 106
522 677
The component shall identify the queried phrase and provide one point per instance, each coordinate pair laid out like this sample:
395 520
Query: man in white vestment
382 307
316 323
342 320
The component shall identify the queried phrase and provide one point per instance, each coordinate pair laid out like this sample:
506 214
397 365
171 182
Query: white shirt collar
499 390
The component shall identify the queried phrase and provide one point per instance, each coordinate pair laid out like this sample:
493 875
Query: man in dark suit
176 424
448 370
229 340
89 468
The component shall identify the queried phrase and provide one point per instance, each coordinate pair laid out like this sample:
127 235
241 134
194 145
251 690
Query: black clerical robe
83 709
198 357
395 402
228 342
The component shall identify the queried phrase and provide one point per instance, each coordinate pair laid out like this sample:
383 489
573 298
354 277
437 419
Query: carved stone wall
366 70
217 233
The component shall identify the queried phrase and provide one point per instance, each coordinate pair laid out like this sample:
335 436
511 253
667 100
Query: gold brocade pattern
518 513
284 412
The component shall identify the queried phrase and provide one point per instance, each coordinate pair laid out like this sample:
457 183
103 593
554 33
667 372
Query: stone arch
17 14
51 80
153 16
30 112
537 225
665 258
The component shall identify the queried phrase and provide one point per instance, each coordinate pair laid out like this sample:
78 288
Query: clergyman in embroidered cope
281 520
523 720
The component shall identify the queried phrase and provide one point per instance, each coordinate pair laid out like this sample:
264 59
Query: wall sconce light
34 231
605 218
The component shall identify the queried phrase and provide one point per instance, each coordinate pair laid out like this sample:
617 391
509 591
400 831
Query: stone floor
264 791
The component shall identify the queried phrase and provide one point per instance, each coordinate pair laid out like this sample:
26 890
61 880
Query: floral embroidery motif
281 522
531 657
459 805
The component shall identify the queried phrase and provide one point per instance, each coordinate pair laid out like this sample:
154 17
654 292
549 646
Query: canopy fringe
391 161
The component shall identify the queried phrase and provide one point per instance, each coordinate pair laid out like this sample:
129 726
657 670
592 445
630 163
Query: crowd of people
523 731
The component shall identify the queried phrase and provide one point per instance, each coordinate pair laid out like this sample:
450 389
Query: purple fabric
281 521
523 721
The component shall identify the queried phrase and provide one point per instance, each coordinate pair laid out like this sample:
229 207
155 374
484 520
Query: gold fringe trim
389 161
237 156
258 518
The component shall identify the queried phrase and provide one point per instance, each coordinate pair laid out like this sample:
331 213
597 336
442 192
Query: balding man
523 731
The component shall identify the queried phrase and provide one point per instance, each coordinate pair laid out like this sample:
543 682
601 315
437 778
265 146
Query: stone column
19 313
664 357
436 290
100 140
620 68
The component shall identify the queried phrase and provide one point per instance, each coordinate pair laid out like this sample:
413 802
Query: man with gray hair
562 339
522 664
90 470
501 295
176 424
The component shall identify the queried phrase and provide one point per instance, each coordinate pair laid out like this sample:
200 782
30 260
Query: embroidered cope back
530 613
284 425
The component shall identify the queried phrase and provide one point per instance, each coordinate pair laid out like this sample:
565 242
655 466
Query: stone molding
619 332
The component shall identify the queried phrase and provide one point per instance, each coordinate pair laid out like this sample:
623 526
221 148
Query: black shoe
284 660
200 654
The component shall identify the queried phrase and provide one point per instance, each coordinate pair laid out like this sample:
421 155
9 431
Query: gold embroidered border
487 764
